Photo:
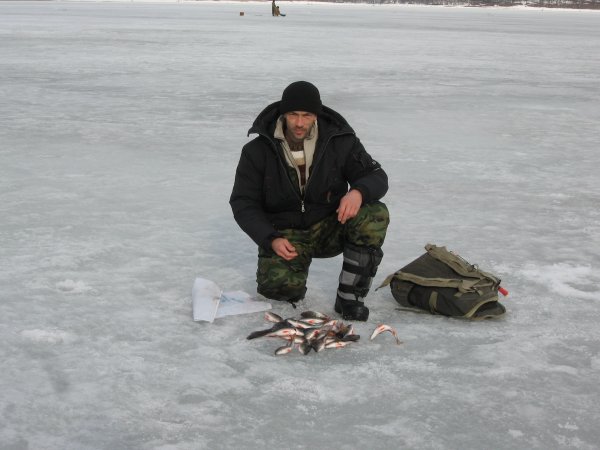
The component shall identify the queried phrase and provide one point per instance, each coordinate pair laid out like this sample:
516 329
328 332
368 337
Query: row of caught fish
313 331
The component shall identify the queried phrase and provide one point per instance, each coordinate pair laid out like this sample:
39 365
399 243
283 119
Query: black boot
351 309
360 266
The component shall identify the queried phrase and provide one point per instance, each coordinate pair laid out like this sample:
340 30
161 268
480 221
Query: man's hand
283 248
349 206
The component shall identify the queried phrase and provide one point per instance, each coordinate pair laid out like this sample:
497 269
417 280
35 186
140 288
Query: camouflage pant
279 279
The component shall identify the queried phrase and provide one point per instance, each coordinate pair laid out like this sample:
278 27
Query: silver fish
298 323
381 328
334 324
350 338
318 344
297 339
345 330
260 333
313 333
314 315
330 340
336 344
314 322
272 317
284 332
283 350
304 348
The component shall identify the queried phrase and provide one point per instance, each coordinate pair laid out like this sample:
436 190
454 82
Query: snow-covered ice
120 129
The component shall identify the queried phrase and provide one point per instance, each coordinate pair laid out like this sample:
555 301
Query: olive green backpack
441 282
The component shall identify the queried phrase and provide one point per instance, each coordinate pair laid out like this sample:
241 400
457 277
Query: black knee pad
362 261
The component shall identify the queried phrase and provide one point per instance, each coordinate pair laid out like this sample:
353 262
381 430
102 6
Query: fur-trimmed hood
330 122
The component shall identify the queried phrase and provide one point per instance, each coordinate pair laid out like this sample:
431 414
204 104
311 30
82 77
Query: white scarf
310 143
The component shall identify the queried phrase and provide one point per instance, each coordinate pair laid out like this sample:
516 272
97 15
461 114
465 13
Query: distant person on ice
273 8
306 188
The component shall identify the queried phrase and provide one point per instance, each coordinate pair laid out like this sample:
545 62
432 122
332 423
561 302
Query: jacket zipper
274 145
321 155
314 166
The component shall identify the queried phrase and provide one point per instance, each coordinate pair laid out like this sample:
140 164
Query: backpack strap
387 280
463 285
433 302
460 266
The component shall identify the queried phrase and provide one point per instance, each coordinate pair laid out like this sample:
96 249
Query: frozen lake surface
120 129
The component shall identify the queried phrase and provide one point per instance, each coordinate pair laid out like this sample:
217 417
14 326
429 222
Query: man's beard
292 137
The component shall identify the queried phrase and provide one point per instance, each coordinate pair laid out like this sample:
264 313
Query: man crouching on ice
306 188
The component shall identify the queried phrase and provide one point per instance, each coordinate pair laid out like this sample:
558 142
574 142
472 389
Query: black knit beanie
301 96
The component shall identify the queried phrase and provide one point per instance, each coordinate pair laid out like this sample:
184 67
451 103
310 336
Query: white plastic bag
210 302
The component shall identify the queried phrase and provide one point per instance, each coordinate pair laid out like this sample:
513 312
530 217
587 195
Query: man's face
299 124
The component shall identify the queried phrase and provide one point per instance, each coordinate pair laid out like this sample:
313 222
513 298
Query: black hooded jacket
264 198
